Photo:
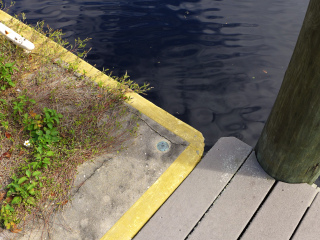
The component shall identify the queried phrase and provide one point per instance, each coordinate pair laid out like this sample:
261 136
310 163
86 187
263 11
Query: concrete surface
106 188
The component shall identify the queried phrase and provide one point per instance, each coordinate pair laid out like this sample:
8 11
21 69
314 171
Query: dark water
215 64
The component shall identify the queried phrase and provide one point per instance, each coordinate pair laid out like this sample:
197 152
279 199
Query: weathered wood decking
229 196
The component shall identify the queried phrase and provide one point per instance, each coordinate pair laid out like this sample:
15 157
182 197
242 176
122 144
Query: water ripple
216 65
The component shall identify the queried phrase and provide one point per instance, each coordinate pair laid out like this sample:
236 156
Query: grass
52 119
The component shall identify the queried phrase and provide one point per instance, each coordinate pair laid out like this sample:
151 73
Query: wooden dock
229 196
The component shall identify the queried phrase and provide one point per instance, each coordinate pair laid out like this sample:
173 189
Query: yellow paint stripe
134 219
168 121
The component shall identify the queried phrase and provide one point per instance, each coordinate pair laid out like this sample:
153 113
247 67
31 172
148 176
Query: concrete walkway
229 196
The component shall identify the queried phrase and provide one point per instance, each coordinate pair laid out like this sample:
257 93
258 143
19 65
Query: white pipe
16 38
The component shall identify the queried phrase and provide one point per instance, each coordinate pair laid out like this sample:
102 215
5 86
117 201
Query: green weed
6 70
52 120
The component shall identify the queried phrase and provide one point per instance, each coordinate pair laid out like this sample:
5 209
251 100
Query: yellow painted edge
140 212
134 219
181 129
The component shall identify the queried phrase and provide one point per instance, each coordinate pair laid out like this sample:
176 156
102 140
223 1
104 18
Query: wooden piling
289 146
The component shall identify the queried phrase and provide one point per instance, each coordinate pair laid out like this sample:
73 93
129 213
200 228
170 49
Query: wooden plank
280 214
309 228
181 212
232 211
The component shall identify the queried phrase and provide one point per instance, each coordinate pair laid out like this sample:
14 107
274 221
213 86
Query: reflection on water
216 65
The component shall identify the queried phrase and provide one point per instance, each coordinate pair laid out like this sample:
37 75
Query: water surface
215 64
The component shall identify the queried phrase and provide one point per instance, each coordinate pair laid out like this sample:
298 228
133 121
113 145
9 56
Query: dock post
289 146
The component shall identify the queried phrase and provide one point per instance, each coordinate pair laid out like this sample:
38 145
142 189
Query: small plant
23 189
6 70
42 128
8 216
19 105
4 7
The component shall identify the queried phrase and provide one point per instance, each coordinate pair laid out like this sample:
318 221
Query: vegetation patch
52 119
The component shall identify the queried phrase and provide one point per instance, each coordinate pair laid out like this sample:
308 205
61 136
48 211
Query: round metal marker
163 146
